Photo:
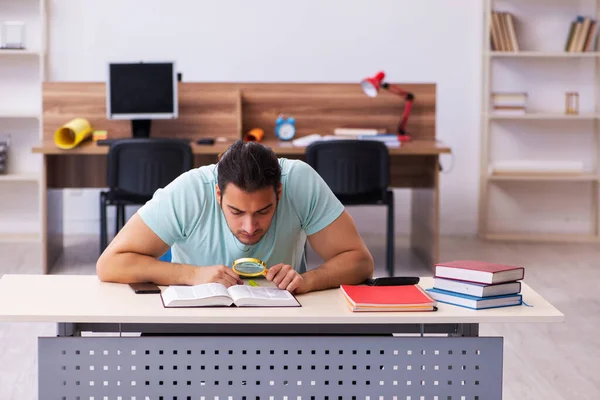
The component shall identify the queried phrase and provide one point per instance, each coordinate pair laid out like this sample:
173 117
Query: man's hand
216 273
285 277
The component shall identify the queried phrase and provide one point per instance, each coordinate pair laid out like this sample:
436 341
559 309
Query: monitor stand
140 128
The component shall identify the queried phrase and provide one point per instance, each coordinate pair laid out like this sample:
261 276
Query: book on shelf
479 271
218 295
473 302
477 289
502 31
508 103
582 35
362 298
509 98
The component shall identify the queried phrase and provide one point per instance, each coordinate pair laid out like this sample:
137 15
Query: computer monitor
141 92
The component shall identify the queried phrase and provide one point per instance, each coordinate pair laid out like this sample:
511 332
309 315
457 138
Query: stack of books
509 103
477 284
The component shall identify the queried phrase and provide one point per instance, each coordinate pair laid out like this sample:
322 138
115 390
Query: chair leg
103 229
122 215
119 211
390 234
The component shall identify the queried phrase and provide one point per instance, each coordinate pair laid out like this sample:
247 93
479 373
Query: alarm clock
285 128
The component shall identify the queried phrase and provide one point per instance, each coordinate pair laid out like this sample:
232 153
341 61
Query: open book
215 294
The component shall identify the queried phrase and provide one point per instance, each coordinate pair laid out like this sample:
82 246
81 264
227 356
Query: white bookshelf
522 206
21 75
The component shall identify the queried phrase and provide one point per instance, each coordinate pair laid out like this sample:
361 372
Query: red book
479 271
388 298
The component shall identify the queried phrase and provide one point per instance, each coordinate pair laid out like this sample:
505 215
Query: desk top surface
83 298
417 147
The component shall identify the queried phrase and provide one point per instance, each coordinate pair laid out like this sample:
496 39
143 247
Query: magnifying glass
249 267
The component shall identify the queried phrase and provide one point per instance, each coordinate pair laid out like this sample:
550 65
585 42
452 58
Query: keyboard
105 142
108 142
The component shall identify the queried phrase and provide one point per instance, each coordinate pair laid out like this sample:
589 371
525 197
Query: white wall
305 41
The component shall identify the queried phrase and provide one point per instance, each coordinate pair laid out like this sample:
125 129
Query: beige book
495 34
496 18
587 22
576 35
511 31
589 41
504 30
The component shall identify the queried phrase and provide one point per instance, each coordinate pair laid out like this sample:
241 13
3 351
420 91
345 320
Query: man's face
248 215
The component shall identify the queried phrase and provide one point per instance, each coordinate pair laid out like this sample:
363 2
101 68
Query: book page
198 295
261 296
205 290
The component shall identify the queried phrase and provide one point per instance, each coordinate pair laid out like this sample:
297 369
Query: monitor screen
142 91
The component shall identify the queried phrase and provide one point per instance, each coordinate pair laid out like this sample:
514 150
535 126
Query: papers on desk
390 140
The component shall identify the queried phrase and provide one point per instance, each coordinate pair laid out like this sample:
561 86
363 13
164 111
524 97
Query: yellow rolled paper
72 133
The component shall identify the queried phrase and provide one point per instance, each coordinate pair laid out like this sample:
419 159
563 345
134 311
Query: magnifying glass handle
265 272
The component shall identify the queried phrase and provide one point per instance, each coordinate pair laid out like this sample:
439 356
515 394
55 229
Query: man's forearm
133 267
348 268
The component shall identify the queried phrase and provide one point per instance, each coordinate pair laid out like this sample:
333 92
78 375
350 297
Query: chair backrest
141 166
351 167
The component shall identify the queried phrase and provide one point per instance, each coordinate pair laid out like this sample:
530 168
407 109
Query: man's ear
279 191
218 193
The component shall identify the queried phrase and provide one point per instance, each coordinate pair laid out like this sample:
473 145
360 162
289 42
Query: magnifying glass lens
249 267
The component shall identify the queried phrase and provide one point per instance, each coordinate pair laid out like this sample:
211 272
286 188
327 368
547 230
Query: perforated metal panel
270 368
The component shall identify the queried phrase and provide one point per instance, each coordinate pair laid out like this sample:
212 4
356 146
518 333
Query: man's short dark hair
250 166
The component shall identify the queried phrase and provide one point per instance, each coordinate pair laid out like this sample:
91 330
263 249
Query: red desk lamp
371 87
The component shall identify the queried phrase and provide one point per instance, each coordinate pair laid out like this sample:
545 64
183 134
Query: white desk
320 350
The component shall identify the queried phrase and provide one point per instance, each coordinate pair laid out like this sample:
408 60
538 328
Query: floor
541 361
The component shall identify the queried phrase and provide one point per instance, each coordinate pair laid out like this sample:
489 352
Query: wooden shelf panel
10 52
544 177
542 237
544 116
541 54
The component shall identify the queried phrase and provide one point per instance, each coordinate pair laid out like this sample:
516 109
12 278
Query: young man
250 204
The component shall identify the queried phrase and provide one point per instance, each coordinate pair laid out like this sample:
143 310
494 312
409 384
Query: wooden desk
228 110
414 165
319 349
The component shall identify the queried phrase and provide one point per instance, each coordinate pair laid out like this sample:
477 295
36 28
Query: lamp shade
371 85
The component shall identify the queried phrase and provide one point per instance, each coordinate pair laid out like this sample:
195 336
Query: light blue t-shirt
186 215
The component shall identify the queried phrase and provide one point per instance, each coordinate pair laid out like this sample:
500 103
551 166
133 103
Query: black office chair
358 173
136 169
